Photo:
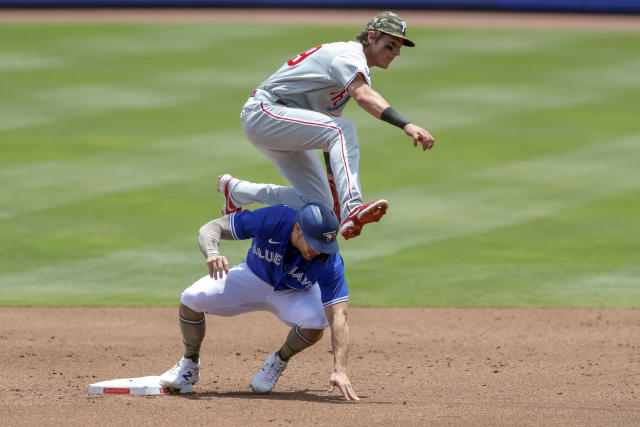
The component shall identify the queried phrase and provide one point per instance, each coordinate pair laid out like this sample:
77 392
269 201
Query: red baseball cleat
223 187
364 214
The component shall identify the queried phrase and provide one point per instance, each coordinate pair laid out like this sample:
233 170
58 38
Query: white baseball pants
241 291
288 137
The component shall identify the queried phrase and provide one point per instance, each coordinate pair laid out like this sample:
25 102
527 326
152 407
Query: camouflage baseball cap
390 23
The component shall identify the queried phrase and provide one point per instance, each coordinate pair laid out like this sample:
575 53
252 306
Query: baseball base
141 386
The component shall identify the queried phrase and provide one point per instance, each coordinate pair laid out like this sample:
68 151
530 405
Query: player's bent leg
193 328
297 340
275 127
246 193
344 158
208 295
187 370
305 173
238 292
345 164
280 132
302 311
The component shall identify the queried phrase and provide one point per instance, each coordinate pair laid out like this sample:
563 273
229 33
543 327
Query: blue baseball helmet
319 227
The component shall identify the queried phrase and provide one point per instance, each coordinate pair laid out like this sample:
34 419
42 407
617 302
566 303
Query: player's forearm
367 98
211 233
373 103
339 340
378 107
340 345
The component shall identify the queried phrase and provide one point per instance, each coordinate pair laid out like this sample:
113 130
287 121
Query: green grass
112 136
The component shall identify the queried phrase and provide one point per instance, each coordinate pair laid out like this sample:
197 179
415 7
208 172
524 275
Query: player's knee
328 200
325 198
190 300
313 323
348 129
190 314
348 126
311 335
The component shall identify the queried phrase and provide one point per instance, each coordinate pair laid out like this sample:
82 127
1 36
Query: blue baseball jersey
276 261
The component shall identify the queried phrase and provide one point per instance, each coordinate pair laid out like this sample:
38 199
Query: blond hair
363 37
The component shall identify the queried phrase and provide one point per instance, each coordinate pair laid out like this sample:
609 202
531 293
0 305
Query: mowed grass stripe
78 101
41 186
504 195
21 61
109 70
583 257
146 275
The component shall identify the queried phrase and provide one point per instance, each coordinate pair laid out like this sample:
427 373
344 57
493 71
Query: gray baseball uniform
296 111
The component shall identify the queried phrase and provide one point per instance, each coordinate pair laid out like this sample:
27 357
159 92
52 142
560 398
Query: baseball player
292 269
298 109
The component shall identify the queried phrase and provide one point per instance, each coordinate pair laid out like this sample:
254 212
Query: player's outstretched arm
367 98
209 241
375 104
337 317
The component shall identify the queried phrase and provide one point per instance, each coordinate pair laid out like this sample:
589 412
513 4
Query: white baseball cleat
183 373
267 377
363 214
223 187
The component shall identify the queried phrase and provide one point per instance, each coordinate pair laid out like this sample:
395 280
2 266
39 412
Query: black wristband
390 115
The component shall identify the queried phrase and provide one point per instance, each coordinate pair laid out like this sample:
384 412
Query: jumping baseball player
298 109
292 269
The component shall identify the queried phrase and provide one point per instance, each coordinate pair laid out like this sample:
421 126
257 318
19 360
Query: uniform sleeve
333 288
248 224
345 67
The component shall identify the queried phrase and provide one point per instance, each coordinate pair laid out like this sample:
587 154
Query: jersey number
301 56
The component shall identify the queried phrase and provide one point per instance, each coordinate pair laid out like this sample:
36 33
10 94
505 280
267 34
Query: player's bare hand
341 381
419 135
218 266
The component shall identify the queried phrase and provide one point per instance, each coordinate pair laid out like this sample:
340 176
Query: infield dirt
409 366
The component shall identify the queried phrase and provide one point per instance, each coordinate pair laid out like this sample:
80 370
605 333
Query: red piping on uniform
346 168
